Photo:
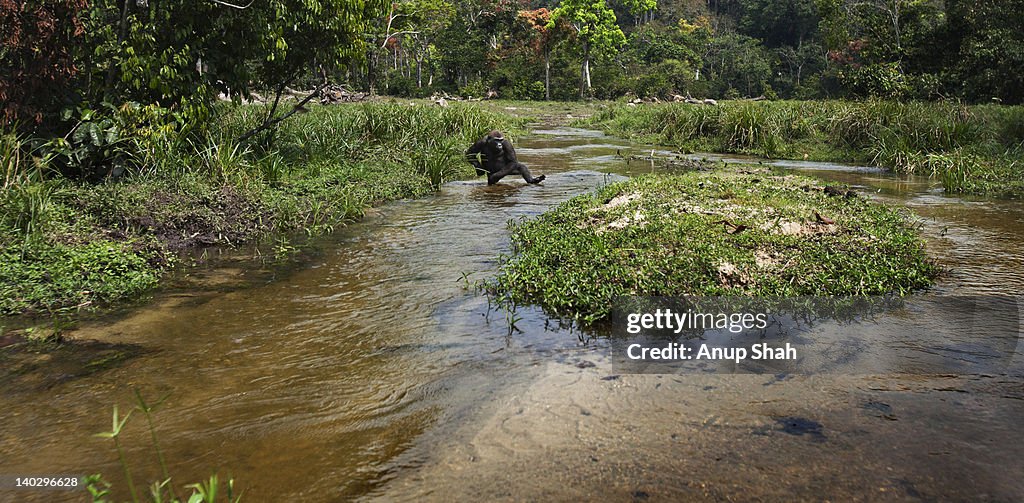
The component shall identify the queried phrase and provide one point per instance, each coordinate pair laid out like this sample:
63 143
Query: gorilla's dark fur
494 155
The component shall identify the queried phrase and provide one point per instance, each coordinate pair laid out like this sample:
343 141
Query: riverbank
972 149
68 245
742 231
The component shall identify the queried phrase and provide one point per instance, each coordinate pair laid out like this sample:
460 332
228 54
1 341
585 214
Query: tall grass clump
25 198
971 148
752 127
26 209
17 166
702 123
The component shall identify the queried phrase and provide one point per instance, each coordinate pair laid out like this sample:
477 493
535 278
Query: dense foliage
75 54
923 49
62 60
37 40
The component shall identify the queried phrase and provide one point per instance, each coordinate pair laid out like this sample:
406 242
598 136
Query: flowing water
375 372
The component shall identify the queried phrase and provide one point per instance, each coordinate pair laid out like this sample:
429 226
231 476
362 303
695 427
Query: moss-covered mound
736 233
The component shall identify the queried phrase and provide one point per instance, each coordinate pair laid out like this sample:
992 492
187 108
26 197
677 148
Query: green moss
677 235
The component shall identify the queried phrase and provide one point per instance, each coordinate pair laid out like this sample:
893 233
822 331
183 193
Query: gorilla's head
496 138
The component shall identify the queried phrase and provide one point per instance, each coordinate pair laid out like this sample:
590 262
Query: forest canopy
66 55
802 49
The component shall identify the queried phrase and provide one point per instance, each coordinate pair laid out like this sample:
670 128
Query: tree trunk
547 75
370 83
585 71
419 71
122 31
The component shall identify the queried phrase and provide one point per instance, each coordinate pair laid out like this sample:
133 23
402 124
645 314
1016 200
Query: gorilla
493 155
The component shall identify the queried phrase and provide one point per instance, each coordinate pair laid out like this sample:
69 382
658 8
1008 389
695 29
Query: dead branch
270 121
233 6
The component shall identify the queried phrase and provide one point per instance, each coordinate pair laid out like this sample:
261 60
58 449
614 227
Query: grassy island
743 232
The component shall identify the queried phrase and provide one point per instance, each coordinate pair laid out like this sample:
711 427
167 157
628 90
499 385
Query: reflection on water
376 363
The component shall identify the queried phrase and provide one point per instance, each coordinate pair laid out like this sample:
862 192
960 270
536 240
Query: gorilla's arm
475 154
509 152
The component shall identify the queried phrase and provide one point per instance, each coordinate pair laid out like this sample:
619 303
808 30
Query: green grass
66 244
972 149
664 236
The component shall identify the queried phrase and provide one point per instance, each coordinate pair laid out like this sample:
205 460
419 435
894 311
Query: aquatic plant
162 490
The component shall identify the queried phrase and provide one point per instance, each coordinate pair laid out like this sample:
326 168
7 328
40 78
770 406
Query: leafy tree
461 49
596 31
542 36
699 37
641 10
176 50
180 53
988 45
412 28
37 56
832 26
652 44
739 63
779 22
872 42
798 62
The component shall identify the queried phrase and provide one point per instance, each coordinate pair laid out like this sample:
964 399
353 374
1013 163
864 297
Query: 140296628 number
69 482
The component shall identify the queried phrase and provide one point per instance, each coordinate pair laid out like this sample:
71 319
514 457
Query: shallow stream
373 371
